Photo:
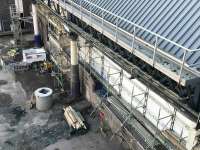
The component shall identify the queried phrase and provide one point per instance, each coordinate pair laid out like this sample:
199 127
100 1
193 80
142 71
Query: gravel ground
24 129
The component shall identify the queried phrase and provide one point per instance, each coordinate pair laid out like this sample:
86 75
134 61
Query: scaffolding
129 67
144 103
17 21
89 60
58 78
152 55
58 72
16 25
60 64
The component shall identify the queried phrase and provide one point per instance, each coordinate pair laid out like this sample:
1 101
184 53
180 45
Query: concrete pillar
19 6
75 81
66 15
37 37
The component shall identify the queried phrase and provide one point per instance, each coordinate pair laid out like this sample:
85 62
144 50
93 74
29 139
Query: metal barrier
155 51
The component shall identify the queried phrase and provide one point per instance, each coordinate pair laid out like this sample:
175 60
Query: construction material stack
75 120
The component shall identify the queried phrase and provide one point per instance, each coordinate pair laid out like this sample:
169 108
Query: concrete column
67 15
37 37
75 82
19 6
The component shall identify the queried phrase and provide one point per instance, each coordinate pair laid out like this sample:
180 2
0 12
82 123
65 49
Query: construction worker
46 67
49 67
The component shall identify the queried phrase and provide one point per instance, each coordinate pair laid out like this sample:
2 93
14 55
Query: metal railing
156 51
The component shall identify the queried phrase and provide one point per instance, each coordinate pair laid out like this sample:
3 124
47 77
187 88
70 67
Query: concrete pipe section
37 37
44 99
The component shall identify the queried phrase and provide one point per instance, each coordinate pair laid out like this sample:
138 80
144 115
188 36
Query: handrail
185 50
140 27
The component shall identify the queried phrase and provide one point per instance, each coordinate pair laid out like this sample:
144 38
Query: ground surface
24 129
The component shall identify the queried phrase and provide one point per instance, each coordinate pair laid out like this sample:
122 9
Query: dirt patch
19 113
5 100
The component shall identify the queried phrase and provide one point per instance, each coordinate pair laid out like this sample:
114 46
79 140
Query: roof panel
176 20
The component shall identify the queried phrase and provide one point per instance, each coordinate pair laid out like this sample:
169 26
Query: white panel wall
155 102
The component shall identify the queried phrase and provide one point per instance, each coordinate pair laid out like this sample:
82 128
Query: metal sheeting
176 20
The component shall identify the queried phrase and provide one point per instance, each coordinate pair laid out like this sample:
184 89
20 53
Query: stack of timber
75 120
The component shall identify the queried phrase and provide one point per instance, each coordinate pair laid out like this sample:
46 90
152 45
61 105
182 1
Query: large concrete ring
44 98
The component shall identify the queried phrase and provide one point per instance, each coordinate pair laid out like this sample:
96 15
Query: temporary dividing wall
133 90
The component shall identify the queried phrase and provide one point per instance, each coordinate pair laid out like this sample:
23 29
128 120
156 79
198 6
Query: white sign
34 55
